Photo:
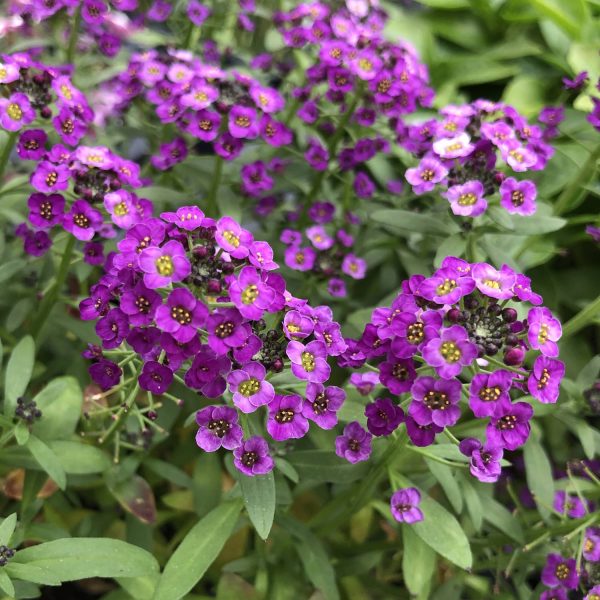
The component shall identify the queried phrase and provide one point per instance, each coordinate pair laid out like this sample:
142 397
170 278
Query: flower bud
514 357
509 315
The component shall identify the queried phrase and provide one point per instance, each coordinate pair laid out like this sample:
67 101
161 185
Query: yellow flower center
250 294
249 387
450 352
164 265
446 287
467 199
14 112
231 238
121 209
308 362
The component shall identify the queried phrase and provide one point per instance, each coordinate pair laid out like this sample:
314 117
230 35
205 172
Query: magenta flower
267 99
69 127
545 378
383 416
404 505
9 72
98 157
105 373
49 177
319 238
300 259
355 443
252 457
488 393
424 177
544 331
322 404
421 435
467 199
397 374
309 362
274 132
155 378
120 205
45 211
297 326
510 429
243 122
226 330
16 112
182 315
560 572
494 283
32 144
518 197
354 267
435 401
164 265
140 304
591 547
187 218
286 420
593 594
518 157
218 427
233 238
446 286
450 352
82 220
249 388
207 373
251 295
364 383
455 147
112 328
485 460
569 505
206 125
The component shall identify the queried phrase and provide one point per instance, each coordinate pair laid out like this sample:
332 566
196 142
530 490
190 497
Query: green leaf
22 433
18 373
259 499
584 432
6 585
454 245
32 573
411 222
537 225
474 505
538 472
197 551
48 460
60 402
446 478
569 16
136 497
323 465
78 458
9 268
7 527
440 530
500 217
70 559
418 561
501 518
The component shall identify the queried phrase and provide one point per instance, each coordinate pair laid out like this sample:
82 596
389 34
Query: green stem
582 318
50 298
211 200
73 37
6 150
493 361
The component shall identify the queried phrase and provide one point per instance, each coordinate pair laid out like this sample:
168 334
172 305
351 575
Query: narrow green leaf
18 373
411 222
501 217
136 496
78 458
80 558
501 518
259 500
9 268
7 528
474 505
22 433
454 245
418 561
6 585
445 476
60 402
322 465
32 573
197 551
537 225
48 460
538 472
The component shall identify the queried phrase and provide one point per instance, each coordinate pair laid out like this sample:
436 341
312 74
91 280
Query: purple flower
557 594
364 382
518 197
274 132
267 99
164 265
560 572
300 259
197 13
155 378
49 177
544 331
510 429
82 221
144 339
593 594
322 404
424 177
455 147
591 546
397 374
256 179
9 72
450 352
577 83
523 291
233 238
243 122
467 199
16 112
113 328
354 267
319 237
363 186
206 126
404 505
494 283
355 444
97 304
207 373
36 243
485 460
93 253
297 326
569 505
226 330
159 11
421 435
488 393
383 416
336 287
69 127
170 154
435 401
252 457
98 157
140 303
286 420
545 378
218 427
120 205
316 155
309 362
249 388
446 286
251 295
105 373
182 315
45 211
32 144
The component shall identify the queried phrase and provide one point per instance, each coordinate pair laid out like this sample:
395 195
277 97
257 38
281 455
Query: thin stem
73 37
503 366
6 150
211 200
582 318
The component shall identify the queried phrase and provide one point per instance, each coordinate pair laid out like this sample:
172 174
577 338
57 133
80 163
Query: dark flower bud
471 302
200 251
152 415
454 315
227 268
45 112
277 365
213 286
514 357
509 315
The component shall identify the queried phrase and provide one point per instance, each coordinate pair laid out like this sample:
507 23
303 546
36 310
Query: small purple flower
182 315
397 374
105 373
467 199
69 127
577 83
355 444
569 505
16 112
545 378
404 505
113 328
455 147
488 393
233 238
424 177
544 331
510 429
32 144
252 457
82 221
316 155
485 460
164 265
218 427
518 197
140 303
450 352
558 594
45 211
144 340
267 99
363 186
435 401
322 404
383 416
593 594
560 572
121 207
197 13
494 283
226 330
354 267
364 382
249 388
297 326
93 253
446 286
523 291
155 377
49 177
336 287
300 259
319 238
286 420
591 546
251 295
421 435
309 362
518 157
243 122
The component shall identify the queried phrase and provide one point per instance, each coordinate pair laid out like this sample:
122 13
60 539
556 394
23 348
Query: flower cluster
469 150
328 252
438 342
30 90
83 191
191 295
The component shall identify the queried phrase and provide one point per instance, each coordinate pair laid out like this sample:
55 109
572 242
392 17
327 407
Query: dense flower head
189 298
437 343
